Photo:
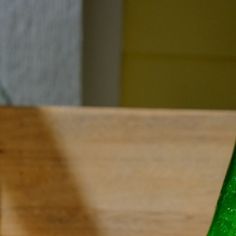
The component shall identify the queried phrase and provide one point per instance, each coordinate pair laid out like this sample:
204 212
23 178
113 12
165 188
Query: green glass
224 221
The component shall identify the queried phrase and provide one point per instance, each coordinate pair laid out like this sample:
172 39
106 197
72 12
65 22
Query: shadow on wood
44 196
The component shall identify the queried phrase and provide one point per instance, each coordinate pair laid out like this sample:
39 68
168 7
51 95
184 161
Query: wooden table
111 172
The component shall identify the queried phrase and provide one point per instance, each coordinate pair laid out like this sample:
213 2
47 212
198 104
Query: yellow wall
179 53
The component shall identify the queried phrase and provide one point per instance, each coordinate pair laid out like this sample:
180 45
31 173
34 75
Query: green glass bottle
224 221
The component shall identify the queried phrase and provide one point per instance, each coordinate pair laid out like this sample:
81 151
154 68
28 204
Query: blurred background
129 53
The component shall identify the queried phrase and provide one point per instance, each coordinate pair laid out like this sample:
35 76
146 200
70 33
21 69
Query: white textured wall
40 51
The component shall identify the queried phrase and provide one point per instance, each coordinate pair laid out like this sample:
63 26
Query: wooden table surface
111 172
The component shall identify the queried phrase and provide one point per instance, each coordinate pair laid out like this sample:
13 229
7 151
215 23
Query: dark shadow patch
45 196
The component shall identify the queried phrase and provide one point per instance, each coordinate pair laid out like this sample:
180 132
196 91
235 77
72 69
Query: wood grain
111 172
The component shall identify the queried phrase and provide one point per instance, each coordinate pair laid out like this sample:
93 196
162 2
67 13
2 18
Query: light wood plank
108 172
